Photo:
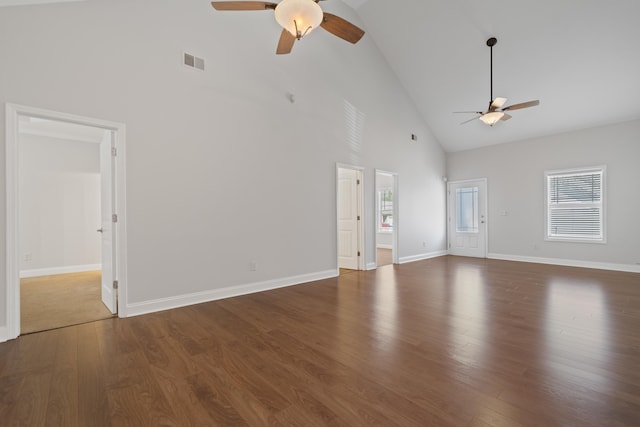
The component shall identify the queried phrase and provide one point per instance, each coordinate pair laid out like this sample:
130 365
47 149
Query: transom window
575 205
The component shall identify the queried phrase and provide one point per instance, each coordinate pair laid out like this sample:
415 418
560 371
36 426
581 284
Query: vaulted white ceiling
580 58
25 2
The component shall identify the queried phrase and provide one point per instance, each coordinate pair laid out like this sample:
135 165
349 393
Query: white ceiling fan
496 111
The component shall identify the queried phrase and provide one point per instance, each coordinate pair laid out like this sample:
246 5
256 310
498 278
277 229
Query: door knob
99 230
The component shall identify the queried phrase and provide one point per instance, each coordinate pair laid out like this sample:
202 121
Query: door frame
13 112
485 200
394 233
360 195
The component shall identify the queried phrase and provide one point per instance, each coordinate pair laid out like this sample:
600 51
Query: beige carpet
49 302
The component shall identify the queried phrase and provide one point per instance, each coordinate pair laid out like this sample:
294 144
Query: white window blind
575 208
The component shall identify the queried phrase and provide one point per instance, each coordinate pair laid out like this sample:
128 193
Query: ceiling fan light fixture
299 17
492 118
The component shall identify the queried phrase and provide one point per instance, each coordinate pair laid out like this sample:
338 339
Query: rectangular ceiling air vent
193 61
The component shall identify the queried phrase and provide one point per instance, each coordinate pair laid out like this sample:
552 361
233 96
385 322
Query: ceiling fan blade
341 28
468 112
286 43
242 5
470 120
522 105
505 117
498 102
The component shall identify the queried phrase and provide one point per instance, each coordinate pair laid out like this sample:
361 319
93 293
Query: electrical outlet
424 244
253 266
27 256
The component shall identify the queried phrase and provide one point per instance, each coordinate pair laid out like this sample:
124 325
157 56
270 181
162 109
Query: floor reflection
468 327
576 325
385 320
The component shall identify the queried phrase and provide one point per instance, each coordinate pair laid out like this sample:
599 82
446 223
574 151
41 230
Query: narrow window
385 211
467 210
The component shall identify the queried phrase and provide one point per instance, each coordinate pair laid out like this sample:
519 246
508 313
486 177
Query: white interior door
107 229
468 218
348 217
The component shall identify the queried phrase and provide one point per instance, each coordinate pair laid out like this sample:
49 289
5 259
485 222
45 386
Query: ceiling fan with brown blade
297 18
496 111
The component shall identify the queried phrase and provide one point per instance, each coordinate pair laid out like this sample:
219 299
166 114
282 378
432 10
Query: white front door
348 217
107 229
468 218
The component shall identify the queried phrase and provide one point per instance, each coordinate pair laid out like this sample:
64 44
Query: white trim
630 268
59 270
145 307
371 266
382 246
12 281
421 257
12 117
3 334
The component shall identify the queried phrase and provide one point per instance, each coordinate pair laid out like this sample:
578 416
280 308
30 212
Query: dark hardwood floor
445 342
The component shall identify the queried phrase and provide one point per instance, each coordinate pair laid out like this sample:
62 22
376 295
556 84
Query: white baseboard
3 334
630 268
59 270
145 307
370 266
420 257
383 246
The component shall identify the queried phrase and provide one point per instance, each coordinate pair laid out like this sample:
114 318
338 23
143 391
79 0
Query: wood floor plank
63 405
449 341
92 405
29 407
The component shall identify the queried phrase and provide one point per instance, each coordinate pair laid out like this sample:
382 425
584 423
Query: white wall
59 204
515 174
221 168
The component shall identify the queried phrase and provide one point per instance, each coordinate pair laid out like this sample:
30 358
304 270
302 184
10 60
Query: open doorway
386 218
59 218
62 251
350 232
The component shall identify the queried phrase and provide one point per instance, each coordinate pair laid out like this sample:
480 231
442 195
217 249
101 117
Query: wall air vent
193 61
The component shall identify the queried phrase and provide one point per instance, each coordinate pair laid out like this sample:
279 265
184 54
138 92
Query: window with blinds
575 205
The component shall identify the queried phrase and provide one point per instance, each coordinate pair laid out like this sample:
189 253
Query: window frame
602 169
